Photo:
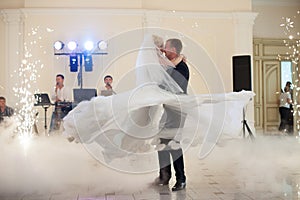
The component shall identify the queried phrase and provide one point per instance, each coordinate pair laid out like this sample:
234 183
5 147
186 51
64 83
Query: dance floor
52 168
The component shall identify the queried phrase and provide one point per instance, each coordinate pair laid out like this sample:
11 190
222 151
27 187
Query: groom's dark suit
174 119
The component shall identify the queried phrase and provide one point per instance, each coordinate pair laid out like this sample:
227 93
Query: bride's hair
152 65
158 41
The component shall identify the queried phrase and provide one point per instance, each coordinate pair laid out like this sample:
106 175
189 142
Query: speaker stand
245 125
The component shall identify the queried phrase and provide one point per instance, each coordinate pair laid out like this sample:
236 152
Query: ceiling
277 2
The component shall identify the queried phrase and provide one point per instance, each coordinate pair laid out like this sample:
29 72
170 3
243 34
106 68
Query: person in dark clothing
290 115
5 111
173 119
284 109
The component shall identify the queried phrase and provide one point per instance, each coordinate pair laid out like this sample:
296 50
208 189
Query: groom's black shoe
179 186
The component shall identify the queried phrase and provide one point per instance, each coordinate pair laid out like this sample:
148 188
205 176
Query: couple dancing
157 110
173 119
142 113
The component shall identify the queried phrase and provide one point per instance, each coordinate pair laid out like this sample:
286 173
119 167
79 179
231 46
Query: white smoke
52 164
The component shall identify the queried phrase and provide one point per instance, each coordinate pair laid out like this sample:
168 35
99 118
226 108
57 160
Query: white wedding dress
126 123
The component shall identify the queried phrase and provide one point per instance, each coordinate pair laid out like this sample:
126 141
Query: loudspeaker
241 73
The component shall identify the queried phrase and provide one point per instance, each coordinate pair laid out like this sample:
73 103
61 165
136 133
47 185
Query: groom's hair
176 43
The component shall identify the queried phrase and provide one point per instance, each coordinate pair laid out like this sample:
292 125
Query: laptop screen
106 93
83 94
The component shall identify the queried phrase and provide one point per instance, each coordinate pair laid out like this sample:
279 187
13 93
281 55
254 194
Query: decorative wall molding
12 16
244 17
132 12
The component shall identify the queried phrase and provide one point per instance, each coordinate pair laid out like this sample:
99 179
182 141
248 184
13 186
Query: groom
174 119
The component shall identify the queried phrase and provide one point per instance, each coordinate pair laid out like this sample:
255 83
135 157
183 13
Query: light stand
81 58
245 125
74 51
43 100
79 75
45 108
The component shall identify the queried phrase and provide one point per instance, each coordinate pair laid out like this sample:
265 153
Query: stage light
89 45
88 62
80 56
72 45
102 45
73 63
58 45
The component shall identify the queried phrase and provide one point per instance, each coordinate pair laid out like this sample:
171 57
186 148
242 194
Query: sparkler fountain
291 30
27 75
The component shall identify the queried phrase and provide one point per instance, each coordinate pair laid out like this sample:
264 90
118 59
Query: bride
125 123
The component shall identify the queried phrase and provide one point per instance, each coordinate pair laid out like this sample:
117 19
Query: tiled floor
52 169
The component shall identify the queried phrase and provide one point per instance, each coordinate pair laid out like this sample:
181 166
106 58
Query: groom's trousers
172 119
164 158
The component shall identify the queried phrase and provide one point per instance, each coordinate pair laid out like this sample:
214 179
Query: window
286 73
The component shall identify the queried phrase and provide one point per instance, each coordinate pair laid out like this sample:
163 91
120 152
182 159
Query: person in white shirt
107 90
61 96
284 109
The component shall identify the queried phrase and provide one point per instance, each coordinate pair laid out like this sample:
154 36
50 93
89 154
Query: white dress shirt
63 94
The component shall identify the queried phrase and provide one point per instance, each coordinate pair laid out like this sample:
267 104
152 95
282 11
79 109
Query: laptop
83 94
42 99
106 93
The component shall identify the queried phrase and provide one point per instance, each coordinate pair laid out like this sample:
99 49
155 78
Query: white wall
79 25
2 58
211 36
270 16
214 33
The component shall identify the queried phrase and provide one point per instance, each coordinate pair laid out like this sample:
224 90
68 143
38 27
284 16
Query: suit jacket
174 118
181 75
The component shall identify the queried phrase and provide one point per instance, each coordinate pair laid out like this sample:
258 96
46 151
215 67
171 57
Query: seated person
107 90
5 111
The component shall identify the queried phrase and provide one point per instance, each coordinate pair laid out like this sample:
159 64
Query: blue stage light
73 63
88 62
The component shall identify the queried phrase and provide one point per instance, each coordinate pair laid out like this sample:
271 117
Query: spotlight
58 45
72 45
73 63
89 45
88 62
102 45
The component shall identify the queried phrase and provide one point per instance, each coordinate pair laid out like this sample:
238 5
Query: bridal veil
126 123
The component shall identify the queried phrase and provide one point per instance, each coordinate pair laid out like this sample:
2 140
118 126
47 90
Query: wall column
13 51
243 45
243 32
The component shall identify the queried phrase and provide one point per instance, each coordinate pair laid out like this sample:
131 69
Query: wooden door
271 92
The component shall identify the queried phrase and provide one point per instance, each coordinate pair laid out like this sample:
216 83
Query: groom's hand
162 50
